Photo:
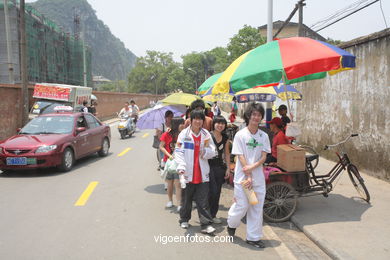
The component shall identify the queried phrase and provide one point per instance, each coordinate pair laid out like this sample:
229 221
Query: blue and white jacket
184 153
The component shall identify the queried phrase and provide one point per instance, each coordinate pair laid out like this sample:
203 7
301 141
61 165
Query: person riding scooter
126 125
134 110
125 110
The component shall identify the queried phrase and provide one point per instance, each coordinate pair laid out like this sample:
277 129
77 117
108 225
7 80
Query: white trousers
254 213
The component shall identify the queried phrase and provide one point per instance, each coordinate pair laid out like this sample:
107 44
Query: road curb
320 242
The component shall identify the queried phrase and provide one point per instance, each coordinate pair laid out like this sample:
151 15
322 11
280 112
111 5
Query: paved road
113 208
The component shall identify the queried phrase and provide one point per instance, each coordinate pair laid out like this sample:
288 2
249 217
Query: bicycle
281 197
309 151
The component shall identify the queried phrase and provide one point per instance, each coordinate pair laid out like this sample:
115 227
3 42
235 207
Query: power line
345 16
383 14
348 8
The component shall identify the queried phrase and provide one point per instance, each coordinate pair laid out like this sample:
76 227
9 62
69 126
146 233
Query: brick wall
111 102
11 109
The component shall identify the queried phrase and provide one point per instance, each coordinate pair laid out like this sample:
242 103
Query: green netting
52 55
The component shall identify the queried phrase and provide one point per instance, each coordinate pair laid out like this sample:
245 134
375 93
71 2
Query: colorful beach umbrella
268 94
222 97
290 60
285 92
208 83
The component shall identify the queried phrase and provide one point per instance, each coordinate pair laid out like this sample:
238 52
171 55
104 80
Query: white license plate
16 161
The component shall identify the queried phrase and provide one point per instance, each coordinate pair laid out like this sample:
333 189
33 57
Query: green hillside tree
221 59
157 71
246 39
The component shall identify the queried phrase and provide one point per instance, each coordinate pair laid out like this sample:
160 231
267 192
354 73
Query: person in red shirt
167 146
276 125
209 113
232 117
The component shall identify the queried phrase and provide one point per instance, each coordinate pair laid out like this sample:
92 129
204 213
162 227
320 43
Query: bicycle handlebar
333 145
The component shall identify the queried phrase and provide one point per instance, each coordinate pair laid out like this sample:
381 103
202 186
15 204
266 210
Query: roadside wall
108 104
356 101
10 107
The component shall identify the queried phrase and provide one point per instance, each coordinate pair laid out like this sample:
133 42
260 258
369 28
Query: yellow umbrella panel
181 99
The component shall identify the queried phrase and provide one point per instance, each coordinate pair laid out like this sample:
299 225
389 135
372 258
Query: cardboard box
291 158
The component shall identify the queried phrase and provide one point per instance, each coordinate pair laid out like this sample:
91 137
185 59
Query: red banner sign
51 92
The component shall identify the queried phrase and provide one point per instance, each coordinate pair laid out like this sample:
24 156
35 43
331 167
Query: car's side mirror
18 130
80 129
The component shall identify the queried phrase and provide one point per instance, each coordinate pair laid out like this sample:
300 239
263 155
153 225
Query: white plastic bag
293 130
171 165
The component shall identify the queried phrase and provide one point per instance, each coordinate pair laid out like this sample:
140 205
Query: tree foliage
156 72
333 42
246 39
115 86
159 70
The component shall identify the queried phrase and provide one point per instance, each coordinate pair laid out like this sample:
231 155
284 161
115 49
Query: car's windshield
44 107
49 125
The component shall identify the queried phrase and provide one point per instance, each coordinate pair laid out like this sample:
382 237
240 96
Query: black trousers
199 193
217 178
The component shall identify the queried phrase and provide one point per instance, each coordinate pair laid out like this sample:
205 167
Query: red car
55 140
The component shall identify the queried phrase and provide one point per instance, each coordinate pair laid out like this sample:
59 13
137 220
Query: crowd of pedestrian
195 152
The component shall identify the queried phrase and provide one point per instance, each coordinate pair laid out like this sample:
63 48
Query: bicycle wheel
280 202
310 151
358 182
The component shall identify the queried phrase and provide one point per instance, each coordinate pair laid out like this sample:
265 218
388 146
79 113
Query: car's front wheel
105 147
67 160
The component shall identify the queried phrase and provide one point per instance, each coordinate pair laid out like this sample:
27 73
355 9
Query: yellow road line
124 152
145 135
85 196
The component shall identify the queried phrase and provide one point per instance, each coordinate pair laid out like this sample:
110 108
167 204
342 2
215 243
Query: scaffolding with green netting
53 55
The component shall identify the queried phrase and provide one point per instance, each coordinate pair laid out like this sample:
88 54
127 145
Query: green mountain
110 58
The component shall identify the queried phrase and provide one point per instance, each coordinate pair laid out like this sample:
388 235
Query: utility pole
270 25
84 59
9 44
301 4
268 111
23 64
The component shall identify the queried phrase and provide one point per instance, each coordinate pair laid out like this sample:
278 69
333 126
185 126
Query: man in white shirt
134 110
251 146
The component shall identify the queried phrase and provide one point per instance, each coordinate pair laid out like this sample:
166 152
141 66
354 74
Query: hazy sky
183 26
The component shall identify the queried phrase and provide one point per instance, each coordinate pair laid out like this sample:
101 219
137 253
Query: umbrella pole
288 100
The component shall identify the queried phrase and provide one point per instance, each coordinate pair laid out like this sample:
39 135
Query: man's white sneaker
217 221
184 225
169 204
208 230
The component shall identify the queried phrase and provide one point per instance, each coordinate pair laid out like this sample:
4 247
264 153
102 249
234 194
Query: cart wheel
280 202
358 182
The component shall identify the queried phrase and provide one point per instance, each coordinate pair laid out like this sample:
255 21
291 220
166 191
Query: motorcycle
126 126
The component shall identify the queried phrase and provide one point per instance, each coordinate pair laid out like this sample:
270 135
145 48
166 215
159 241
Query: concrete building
98 81
52 55
290 30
